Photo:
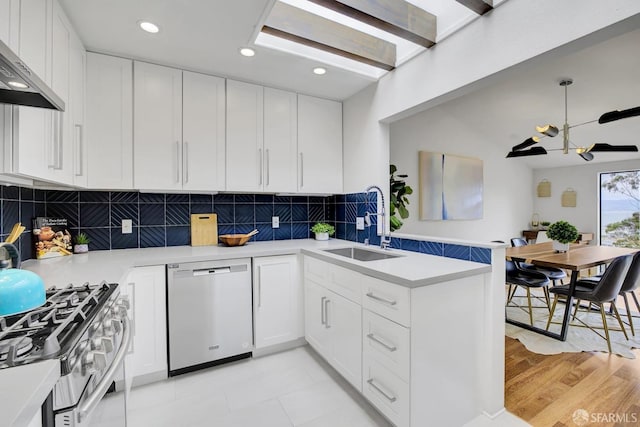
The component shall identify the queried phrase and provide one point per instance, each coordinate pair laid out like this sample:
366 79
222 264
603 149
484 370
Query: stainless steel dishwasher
209 313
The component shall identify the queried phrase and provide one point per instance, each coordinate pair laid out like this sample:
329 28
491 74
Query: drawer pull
389 397
384 300
391 348
322 313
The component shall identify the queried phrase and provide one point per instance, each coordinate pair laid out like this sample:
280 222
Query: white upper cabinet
179 130
203 131
157 135
109 133
245 133
280 141
319 145
8 17
261 138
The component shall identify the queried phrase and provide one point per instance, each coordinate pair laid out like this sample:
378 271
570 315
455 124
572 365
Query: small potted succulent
544 225
82 243
323 230
562 233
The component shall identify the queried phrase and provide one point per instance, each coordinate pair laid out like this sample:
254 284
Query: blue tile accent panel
264 212
341 230
124 241
300 213
152 198
482 255
330 212
282 233
244 214
152 214
226 229
316 213
264 198
124 197
341 214
62 196
361 209
410 245
374 239
314 200
300 230
177 214
177 198
351 232
351 210
39 209
120 211
244 198
225 214
201 199
25 246
457 251
223 198
26 194
300 200
283 211
11 193
282 199
94 197
152 237
362 234
396 243
100 238
352 197
179 235
265 232
64 210
26 213
200 208
94 215
39 195
432 248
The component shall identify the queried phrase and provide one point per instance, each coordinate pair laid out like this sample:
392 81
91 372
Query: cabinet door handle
322 321
79 150
301 170
380 390
60 144
380 341
53 144
260 160
383 300
259 290
326 313
185 155
177 161
268 170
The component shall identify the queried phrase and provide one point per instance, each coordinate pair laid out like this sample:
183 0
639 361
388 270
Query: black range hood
20 86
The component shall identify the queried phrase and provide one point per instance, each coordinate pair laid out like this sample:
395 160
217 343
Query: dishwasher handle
207 271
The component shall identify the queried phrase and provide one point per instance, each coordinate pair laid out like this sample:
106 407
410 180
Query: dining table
580 256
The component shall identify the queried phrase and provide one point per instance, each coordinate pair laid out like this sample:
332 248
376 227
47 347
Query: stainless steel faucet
385 240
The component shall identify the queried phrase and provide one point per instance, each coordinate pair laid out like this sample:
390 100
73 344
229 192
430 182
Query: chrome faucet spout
385 240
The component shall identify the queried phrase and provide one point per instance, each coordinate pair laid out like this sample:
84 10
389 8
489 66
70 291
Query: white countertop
412 269
24 389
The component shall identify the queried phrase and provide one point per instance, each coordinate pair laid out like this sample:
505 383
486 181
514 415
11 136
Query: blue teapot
20 290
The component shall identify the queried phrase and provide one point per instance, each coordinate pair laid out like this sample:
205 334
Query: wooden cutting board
204 229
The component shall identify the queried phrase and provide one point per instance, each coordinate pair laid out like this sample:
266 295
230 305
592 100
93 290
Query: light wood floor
546 390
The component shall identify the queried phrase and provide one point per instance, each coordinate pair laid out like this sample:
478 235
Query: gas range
85 327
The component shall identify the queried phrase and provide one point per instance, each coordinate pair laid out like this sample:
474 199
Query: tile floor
292 388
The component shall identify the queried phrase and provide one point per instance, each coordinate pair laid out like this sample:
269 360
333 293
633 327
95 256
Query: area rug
578 338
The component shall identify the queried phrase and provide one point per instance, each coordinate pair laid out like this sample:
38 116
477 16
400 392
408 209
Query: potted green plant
323 230
399 191
82 243
562 233
545 224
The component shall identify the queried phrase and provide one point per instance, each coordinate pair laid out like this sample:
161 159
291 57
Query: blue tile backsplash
163 219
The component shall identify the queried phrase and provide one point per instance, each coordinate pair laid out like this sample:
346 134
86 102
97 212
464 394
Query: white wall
507 201
585 181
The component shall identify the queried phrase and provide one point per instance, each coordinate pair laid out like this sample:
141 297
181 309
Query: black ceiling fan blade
612 116
535 151
608 148
526 143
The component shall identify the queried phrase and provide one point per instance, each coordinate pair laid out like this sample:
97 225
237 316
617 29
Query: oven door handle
92 401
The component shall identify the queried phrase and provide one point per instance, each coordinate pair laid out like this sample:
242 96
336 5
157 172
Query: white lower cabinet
277 300
147 294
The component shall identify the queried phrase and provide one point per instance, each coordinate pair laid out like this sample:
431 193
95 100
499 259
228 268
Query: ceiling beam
478 6
393 16
300 26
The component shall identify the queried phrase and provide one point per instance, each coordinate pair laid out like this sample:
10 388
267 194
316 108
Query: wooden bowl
234 239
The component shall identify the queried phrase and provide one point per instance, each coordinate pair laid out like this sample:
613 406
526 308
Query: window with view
620 209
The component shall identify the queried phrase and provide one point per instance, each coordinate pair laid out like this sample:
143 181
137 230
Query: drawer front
387 392
346 283
386 342
315 270
386 299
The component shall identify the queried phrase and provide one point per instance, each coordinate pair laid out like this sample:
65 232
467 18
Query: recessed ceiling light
246 51
18 85
149 27
319 71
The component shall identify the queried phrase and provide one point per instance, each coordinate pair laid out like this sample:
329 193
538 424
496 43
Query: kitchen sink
361 254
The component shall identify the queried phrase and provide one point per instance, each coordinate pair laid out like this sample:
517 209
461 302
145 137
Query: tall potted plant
399 201
562 233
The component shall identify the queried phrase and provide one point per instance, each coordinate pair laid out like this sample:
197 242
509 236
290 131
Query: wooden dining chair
605 291
527 279
554 274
